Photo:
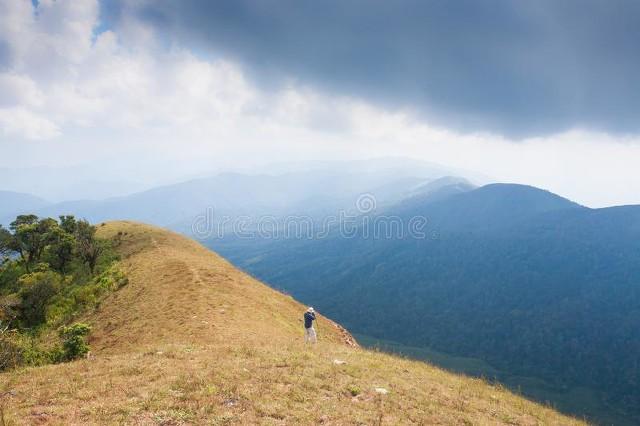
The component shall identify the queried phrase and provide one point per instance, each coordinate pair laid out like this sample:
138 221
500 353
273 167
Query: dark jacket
309 317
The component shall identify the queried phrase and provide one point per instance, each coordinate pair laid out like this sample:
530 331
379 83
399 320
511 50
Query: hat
310 309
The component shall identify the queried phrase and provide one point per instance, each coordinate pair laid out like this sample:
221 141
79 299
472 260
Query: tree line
50 271
57 243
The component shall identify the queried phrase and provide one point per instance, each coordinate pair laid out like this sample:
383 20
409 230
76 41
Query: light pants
310 335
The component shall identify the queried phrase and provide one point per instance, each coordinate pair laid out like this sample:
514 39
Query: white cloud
19 121
18 89
122 96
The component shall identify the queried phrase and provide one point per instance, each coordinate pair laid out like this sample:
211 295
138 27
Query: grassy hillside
192 340
523 279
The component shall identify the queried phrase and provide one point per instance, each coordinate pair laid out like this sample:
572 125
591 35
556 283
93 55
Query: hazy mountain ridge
14 203
440 188
67 183
484 208
317 192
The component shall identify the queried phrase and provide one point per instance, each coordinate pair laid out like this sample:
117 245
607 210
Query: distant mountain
95 182
316 193
67 183
424 170
527 280
439 189
14 203
495 205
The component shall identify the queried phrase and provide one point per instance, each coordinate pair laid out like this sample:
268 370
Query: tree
88 247
68 224
37 289
30 237
61 248
5 244
74 345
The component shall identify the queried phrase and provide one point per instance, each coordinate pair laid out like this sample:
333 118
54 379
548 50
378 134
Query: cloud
517 68
22 122
78 86
124 79
19 89
39 49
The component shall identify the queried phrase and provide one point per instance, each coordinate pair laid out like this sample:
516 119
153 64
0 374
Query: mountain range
14 203
189 339
319 190
533 284
530 282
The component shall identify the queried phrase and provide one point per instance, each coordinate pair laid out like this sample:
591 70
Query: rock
231 402
381 391
339 362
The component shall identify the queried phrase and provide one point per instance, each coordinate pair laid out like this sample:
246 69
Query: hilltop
192 340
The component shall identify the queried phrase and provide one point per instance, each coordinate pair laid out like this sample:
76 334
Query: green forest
51 271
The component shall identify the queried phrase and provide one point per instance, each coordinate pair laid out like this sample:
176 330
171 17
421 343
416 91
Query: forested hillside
51 272
526 280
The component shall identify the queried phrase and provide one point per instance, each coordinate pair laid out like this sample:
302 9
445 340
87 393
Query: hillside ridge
192 340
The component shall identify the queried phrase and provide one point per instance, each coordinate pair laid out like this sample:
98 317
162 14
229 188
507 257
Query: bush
10 272
111 279
10 353
36 290
20 349
74 345
31 353
354 390
80 297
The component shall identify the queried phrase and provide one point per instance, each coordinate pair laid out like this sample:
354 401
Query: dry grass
191 340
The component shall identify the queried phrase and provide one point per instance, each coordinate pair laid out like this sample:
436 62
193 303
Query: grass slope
192 340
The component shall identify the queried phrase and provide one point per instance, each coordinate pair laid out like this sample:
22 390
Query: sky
543 93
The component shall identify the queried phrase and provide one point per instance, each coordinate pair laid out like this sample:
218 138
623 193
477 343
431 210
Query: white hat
310 309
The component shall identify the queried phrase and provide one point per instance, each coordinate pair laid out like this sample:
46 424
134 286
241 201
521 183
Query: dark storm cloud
521 68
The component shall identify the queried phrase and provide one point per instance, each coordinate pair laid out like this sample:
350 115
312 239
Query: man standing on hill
309 331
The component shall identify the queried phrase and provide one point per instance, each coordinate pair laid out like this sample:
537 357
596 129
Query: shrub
10 354
10 272
20 349
74 345
112 279
31 353
36 290
80 297
354 390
